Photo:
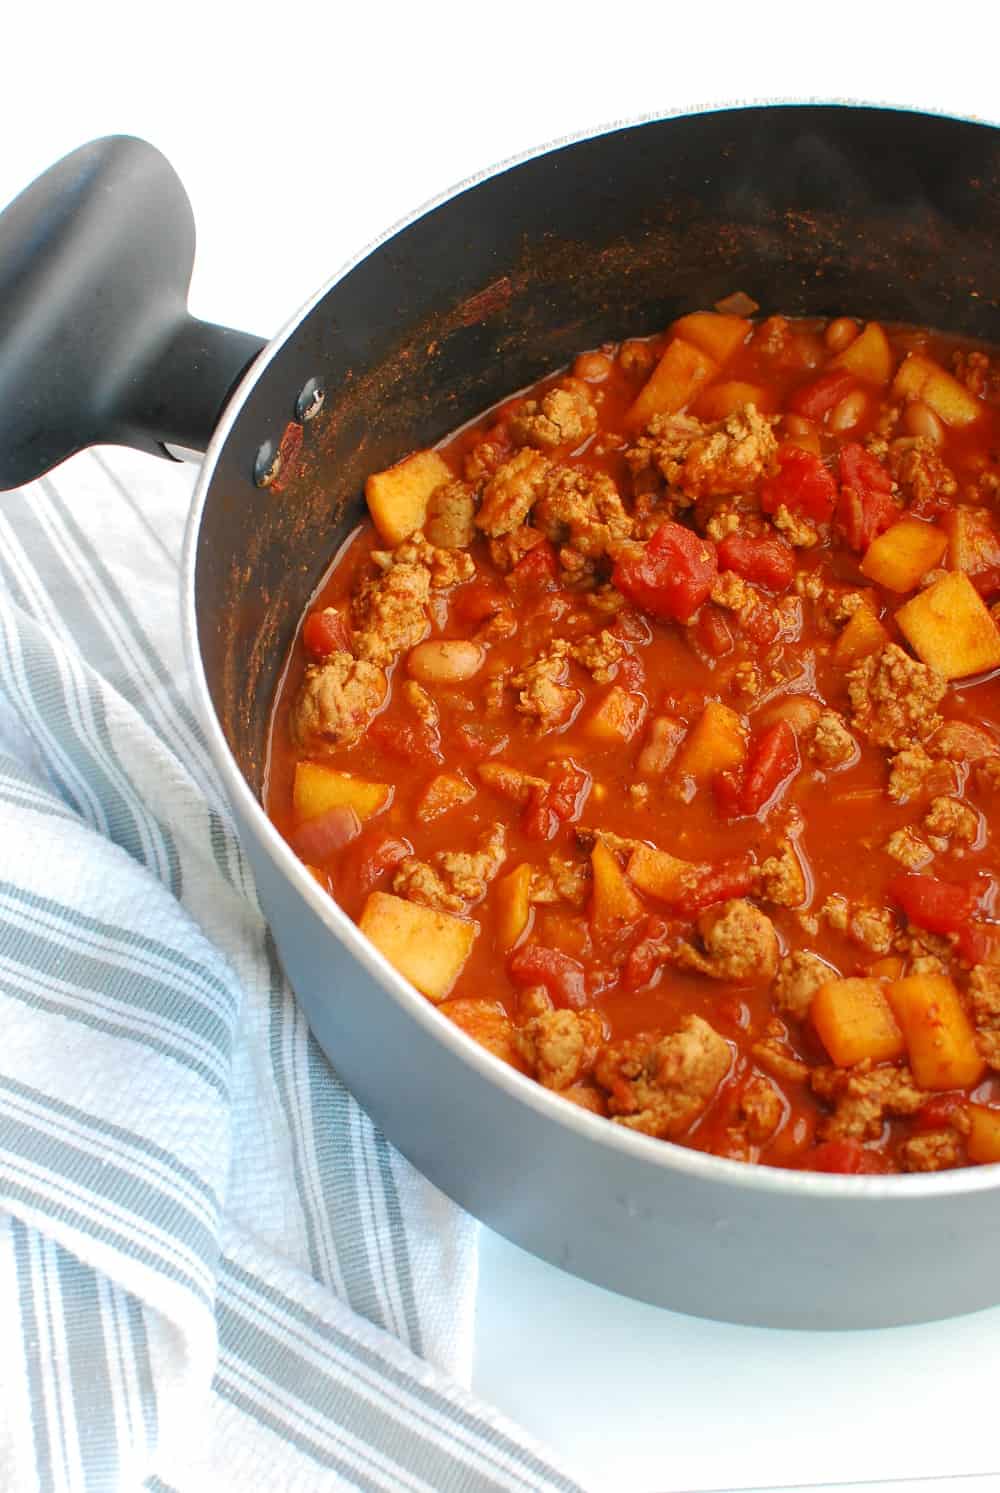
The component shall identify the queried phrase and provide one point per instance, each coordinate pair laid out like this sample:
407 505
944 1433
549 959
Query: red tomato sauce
662 698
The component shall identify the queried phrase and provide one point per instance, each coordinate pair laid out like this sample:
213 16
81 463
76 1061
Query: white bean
849 411
840 333
919 419
445 662
800 711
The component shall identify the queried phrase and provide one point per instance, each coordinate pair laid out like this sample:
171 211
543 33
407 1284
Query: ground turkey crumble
559 1047
799 976
922 476
661 1085
915 774
832 745
390 608
894 698
336 701
456 879
565 416
862 1097
542 691
739 944
781 879
730 456
511 492
984 995
582 511
451 514
871 927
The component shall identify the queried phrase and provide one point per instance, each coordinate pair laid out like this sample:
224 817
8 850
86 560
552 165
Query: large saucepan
810 210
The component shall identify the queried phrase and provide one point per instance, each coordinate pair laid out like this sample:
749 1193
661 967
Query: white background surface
302 131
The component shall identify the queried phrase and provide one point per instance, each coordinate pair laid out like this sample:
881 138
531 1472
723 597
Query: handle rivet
310 401
267 464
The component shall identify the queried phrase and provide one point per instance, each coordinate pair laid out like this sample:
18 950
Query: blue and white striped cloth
214 1271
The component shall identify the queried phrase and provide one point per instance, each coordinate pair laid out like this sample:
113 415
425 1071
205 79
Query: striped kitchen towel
214 1271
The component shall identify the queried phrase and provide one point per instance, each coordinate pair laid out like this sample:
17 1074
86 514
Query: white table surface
345 118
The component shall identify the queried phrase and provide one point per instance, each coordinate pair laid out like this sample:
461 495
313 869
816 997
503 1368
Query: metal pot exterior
645 1218
403 361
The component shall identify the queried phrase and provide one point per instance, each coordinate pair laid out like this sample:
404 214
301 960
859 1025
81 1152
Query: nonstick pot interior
811 210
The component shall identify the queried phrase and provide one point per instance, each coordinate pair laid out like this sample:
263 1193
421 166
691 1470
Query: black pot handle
96 341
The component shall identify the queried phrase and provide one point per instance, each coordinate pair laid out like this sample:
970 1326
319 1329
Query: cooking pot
809 209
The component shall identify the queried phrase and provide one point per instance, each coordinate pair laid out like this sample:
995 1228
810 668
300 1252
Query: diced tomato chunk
713 631
326 632
762 558
727 786
940 1110
478 601
730 878
802 484
369 858
671 575
866 507
536 572
631 674
559 802
846 1156
979 942
478 740
539 820
320 837
562 975
646 957
567 791
939 906
816 399
773 760
412 741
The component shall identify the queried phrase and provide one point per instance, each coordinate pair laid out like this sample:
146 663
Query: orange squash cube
512 899
658 873
889 968
397 498
949 627
973 542
984 1133
429 948
940 1039
868 357
855 1021
864 634
919 377
672 384
444 792
614 905
717 740
903 555
720 400
713 333
317 788
617 717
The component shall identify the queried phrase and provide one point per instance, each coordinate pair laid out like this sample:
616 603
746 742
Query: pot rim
640 1149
